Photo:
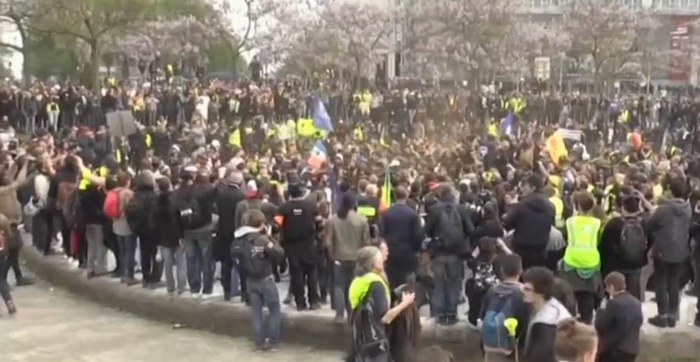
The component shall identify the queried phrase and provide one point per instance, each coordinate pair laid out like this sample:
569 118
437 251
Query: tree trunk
95 60
26 74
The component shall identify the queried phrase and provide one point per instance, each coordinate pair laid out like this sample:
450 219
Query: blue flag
320 116
507 126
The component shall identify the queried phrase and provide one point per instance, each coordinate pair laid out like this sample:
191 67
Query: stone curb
317 331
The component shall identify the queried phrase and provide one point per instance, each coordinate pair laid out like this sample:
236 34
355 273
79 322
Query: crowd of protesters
423 198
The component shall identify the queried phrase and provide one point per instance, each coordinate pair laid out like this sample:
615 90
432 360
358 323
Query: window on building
684 4
537 3
693 4
669 4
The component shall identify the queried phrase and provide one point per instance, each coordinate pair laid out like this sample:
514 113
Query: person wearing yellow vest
53 110
358 134
92 216
581 264
558 204
370 291
306 128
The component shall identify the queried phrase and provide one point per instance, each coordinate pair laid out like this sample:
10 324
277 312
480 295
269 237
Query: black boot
660 321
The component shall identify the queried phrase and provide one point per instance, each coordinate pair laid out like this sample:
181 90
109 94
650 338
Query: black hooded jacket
532 218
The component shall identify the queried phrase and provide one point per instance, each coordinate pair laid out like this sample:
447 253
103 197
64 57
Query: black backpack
190 213
137 216
450 229
368 334
633 241
248 257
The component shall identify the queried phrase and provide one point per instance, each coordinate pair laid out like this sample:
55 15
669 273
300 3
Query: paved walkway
687 308
53 326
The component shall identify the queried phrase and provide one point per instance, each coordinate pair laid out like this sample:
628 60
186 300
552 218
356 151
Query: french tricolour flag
319 155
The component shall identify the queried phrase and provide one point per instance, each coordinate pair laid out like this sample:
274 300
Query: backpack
484 278
190 213
633 241
248 257
494 335
137 216
111 207
368 335
70 207
450 229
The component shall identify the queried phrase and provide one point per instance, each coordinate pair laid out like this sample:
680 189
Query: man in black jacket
262 257
227 200
449 226
194 204
619 324
531 219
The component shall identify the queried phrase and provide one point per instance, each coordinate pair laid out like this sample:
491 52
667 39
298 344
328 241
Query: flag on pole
319 155
507 125
385 201
322 120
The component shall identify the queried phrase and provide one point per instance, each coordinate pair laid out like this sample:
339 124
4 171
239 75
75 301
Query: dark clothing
91 205
299 225
532 219
303 271
164 217
619 325
400 227
520 310
432 226
204 194
667 282
490 228
610 253
228 197
668 226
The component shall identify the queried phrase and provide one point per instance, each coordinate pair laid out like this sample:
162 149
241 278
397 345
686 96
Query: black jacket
228 197
432 224
532 220
205 196
619 324
273 251
162 215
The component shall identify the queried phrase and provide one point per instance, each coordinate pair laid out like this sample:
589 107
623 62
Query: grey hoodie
668 228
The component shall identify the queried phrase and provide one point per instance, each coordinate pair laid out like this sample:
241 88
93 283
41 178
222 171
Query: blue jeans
342 277
448 271
264 293
127 254
200 266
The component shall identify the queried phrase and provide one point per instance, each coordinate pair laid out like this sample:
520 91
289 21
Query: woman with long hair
370 300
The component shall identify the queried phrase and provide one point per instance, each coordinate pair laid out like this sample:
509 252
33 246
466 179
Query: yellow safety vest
52 107
234 139
149 140
359 288
306 128
558 211
583 234
357 134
